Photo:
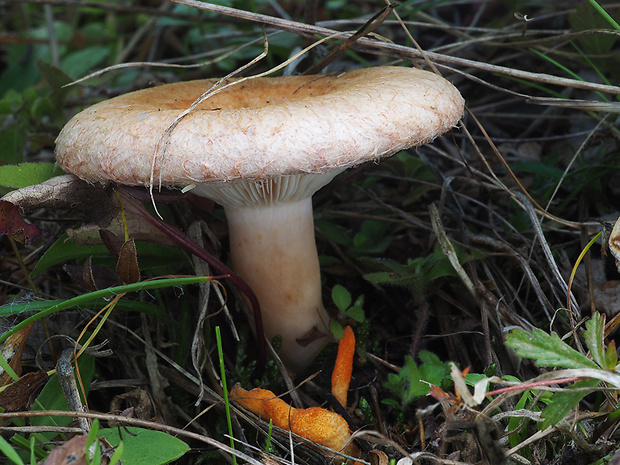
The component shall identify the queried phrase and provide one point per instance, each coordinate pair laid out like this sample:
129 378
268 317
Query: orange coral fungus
316 424
341 376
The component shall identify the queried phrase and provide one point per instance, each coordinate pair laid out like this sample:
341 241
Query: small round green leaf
144 446
341 297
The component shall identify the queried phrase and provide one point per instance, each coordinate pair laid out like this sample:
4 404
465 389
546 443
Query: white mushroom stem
273 249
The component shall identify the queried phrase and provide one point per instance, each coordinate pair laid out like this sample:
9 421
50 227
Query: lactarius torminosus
262 148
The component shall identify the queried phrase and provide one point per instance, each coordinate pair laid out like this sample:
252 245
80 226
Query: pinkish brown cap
258 129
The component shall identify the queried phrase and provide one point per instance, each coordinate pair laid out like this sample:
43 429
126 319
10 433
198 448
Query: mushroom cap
256 129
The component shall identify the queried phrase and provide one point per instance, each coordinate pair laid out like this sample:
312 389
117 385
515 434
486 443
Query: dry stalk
395 50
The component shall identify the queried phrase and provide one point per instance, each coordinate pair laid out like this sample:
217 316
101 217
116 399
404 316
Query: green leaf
102 293
78 63
154 258
588 18
336 329
594 337
27 174
433 374
341 297
417 273
364 244
546 349
408 385
391 403
356 313
373 238
333 232
441 267
17 308
435 371
118 453
611 356
547 172
395 279
9 452
519 434
429 358
54 76
31 445
6 367
92 434
563 402
65 249
12 143
145 447
19 74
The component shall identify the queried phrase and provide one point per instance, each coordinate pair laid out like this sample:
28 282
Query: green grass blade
57 306
9 452
4 364
605 15
565 69
220 354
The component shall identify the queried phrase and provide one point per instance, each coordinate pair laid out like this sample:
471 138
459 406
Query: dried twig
400 51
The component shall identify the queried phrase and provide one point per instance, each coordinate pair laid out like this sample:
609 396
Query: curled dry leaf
98 207
127 263
460 386
66 192
12 224
93 277
135 404
378 457
11 351
71 452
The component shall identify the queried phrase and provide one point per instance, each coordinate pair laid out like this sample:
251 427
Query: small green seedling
414 382
346 308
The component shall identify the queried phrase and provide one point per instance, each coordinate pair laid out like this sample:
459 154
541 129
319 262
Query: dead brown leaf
67 192
92 277
98 207
72 452
12 350
127 266
12 224
20 394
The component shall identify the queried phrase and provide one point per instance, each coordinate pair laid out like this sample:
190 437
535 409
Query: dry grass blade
399 51
448 249
548 254
142 64
365 30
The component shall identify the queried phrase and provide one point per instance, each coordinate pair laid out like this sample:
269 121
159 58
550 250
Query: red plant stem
180 238
522 387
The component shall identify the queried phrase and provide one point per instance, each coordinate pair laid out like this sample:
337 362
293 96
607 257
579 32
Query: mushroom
261 148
